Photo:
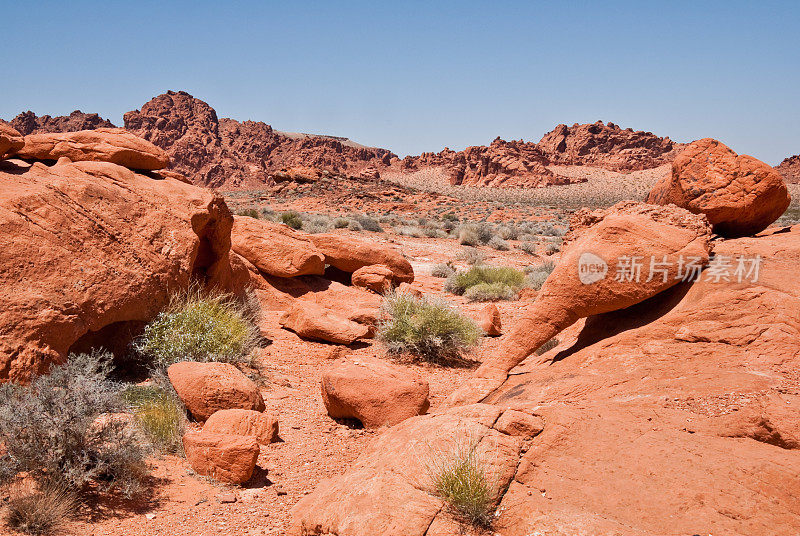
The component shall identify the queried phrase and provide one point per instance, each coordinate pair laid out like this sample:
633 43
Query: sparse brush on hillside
200 326
528 247
537 275
368 223
428 329
460 282
443 270
472 256
249 212
498 243
50 430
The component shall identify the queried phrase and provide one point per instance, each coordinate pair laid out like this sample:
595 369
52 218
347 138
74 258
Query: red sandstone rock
377 278
10 140
99 248
349 255
312 321
28 123
206 388
790 169
223 457
261 425
607 146
373 391
489 320
114 145
739 194
275 249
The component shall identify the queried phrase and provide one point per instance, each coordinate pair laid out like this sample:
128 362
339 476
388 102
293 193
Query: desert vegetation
486 283
425 328
159 412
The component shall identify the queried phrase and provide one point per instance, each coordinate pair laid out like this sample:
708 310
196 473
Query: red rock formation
261 425
606 146
228 153
223 457
27 123
790 169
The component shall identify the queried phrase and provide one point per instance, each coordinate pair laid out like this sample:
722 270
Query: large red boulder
10 140
206 388
91 250
312 321
349 255
114 145
259 424
489 320
740 195
225 458
374 392
275 249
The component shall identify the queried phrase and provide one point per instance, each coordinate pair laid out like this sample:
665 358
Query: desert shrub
472 256
552 248
460 478
353 225
249 212
292 219
468 235
368 223
508 232
48 429
39 510
460 282
449 216
433 232
340 223
527 237
547 346
409 230
160 413
198 326
427 329
528 247
498 243
443 270
317 224
483 292
537 275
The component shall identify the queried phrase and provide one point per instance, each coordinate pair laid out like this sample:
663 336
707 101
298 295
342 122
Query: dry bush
528 247
498 243
443 270
537 275
160 413
472 256
460 282
292 219
485 292
39 510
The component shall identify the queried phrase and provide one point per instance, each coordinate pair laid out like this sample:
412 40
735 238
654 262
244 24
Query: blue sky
419 76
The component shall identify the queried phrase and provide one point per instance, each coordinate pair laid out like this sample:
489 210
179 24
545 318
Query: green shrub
443 270
427 329
460 479
460 282
48 430
199 326
292 219
483 292
39 511
160 413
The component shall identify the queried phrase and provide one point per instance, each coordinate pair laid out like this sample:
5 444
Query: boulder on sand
349 255
312 321
114 145
261 425
489 320
206 388
373 391
740 195
10 140
275 249
223 457
377 278
617 257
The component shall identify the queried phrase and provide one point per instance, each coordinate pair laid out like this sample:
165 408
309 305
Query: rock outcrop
312 321
275 249
790 169
225 458
28 123
205 388
607 146
11 140
114 145
739 194
92 250
698 381
348 255
489 320
228 153
373 392
377 278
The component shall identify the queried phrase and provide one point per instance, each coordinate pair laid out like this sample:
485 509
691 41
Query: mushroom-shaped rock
349 255
739 194
223 457
245 422
209 387
373 391
114 145
617 257
377 278
275 249
10 140
312 321
489 320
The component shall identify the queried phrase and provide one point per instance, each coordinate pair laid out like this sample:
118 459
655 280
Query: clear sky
419 76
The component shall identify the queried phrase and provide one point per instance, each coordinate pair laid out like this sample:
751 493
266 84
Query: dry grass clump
547 346
428 329
443 270
460 282
160 413
292 219
486 292
39 510
472 256
200 326
460 478
51 432
498 243
537 275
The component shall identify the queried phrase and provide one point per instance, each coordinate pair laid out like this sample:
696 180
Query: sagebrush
460 282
